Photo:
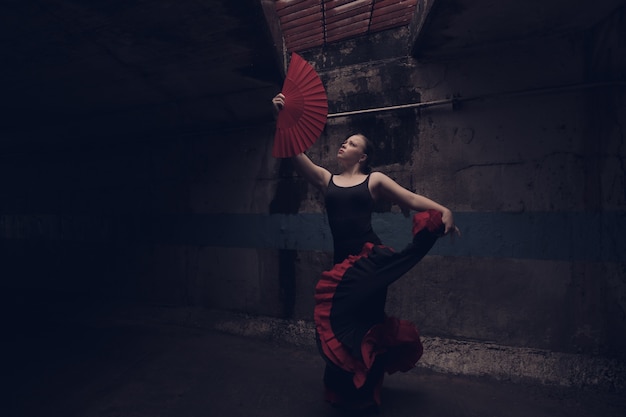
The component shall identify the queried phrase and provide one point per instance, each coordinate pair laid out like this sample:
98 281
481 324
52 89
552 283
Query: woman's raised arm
314 174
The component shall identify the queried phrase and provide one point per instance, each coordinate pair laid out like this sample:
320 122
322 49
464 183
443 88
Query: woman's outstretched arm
386 188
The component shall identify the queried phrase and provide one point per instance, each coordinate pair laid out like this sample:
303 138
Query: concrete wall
535 173
534 169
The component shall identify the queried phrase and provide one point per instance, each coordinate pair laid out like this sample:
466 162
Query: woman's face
352 150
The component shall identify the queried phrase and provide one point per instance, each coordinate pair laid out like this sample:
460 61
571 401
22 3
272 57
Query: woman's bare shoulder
378 177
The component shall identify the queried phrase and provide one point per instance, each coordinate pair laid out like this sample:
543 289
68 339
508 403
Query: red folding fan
303 117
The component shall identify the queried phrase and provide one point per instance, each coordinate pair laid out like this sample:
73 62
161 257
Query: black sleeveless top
349 212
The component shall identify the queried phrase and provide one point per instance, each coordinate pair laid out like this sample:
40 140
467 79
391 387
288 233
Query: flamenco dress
357 340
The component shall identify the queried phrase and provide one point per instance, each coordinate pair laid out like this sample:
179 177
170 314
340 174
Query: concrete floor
132 369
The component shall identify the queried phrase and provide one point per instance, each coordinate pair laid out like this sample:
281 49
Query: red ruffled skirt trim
396 342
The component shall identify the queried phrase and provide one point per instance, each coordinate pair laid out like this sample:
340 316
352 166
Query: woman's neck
351 171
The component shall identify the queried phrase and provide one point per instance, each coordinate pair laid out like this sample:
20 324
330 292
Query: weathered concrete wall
535 174
519 143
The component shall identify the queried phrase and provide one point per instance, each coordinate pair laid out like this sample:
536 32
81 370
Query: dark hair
369 151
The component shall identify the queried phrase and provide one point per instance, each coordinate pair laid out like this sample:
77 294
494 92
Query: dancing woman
357 340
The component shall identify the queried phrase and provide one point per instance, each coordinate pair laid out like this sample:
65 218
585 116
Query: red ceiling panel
388 14
302 23
337 13
309 23
292 6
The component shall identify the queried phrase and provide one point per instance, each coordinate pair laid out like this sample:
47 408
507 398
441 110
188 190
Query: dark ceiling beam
273 25
419 23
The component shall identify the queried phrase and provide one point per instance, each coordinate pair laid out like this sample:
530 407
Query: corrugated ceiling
309 23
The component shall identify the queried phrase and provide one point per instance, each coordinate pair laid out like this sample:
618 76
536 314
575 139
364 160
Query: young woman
355 337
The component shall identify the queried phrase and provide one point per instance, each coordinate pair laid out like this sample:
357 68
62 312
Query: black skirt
355 337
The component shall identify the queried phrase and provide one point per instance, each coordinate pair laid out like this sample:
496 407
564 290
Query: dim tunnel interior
137 183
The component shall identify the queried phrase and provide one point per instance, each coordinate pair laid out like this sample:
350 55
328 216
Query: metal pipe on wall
456 100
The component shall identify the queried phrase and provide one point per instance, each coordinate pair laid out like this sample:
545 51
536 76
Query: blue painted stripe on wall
534 235
537 235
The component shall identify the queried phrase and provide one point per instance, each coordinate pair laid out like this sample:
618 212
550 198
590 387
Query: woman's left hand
448 220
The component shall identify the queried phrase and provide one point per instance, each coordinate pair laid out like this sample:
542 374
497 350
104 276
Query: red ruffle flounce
398 339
